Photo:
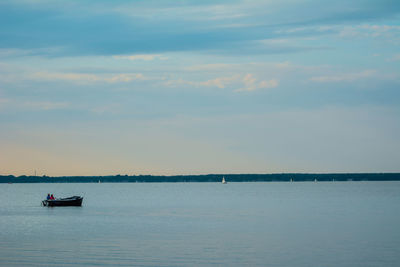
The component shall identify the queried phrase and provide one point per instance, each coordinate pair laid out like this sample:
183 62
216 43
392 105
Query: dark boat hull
63 202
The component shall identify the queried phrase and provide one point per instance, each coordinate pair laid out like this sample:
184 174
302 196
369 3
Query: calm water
190 224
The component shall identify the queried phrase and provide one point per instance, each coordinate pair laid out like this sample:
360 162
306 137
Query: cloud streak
252 84
146 29
344 77
247 82
145 57
87 78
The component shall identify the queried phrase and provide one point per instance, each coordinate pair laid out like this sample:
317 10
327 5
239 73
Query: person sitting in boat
52 197
48 197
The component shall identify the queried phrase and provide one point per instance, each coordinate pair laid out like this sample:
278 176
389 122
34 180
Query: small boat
69 201
223 180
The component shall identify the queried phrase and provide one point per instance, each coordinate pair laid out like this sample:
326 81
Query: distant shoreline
275 177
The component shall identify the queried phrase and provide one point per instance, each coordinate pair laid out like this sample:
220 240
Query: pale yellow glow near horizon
59 153
267 143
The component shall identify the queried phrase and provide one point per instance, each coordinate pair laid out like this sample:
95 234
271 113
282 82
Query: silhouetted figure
48 196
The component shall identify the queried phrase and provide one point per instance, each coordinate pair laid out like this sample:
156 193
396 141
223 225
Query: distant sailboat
223 180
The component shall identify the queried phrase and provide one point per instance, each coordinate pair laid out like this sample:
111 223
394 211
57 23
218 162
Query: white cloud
246 83
387 32
211 67
125 77
275 41
87 78
220 82
18 52
33 105
269 84
344 77
390 33
44 75
293 30
394 58
213 12
380 28
277 68
251 83
145 57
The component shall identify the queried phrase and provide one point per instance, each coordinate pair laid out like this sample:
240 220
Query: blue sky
192 87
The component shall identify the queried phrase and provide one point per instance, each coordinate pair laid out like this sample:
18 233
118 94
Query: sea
300 224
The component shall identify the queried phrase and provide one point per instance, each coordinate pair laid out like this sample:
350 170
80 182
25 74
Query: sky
199 87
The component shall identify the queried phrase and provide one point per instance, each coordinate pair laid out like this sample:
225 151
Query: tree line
274 177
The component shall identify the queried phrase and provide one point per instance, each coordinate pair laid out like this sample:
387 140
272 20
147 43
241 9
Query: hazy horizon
204 174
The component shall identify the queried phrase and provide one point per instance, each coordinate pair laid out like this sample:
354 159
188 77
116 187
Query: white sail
223 180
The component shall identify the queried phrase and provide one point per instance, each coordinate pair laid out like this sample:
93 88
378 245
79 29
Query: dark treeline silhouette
278 177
